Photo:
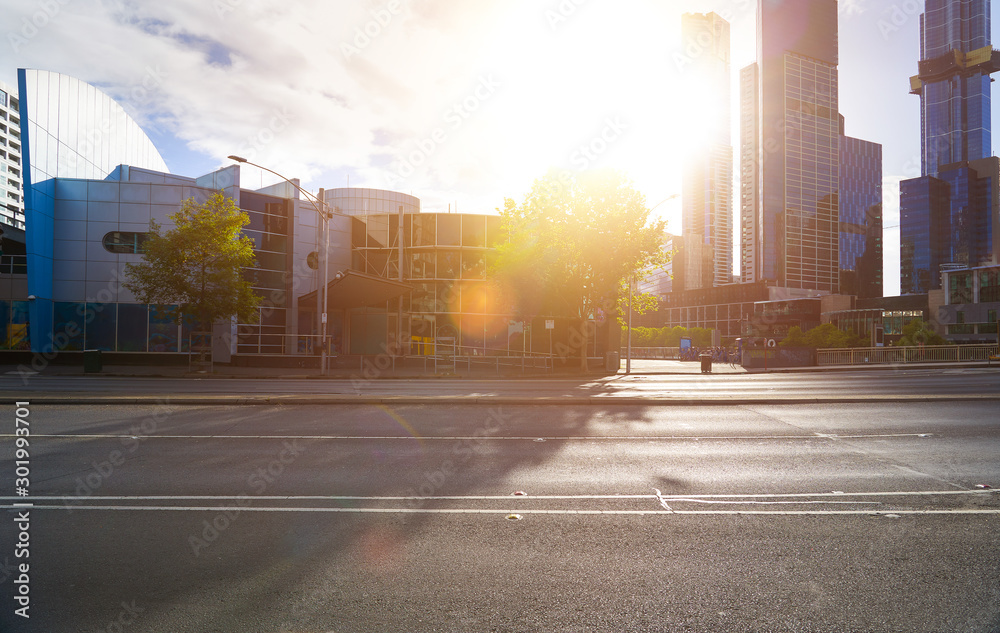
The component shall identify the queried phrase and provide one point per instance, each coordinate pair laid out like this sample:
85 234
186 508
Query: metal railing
655 353
899 355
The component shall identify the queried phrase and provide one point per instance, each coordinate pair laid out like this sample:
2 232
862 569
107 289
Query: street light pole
628 347
325 216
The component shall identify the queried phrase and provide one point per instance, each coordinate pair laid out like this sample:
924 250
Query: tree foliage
918 332
823 336
573 242
670 336
199 264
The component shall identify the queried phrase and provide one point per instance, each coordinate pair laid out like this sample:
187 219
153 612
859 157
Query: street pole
399 277
326 280
628 344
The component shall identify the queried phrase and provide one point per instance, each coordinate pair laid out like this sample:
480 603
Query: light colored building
968 304
361 201
749 173
11 191
707 182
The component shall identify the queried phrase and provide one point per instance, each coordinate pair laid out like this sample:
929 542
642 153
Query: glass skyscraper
860 218
956 196
792 210
707 182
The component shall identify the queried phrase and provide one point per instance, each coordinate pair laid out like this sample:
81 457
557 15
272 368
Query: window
125 242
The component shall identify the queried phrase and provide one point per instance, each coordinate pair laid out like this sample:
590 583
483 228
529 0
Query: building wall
970 304
11 173
361 201
70 130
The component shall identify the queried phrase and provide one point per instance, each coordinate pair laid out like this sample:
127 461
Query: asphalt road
860 517
973 382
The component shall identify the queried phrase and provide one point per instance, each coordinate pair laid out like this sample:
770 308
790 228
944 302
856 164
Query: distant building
951 213
11 179
860 217
707 182
750 240
968 304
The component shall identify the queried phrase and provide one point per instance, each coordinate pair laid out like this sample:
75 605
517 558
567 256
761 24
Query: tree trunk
583 348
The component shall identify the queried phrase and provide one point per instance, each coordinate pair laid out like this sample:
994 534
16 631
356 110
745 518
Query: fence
655 353
899 355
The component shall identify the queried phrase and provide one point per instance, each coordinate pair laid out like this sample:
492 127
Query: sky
462 103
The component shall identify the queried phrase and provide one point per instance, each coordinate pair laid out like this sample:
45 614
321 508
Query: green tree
918 332
823 336
573 243
199 264
795 338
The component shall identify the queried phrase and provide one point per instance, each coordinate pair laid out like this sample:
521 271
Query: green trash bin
92 361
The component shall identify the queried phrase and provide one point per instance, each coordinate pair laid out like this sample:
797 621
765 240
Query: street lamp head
238 159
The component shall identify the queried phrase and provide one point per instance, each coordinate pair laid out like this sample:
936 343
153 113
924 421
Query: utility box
613 361
706 363
92 361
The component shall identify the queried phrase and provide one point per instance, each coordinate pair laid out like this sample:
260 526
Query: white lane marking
796 495
505 512
428 438
663 502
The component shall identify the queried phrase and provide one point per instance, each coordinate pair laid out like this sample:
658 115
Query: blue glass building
955 199
860 217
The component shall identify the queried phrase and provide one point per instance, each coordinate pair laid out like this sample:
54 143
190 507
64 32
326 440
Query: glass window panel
103 321
132 327
449 295
449 264
68 325
473 230
125 242
359 232
423 297
424 230
378 231
422 265
162 329
473 265
449 230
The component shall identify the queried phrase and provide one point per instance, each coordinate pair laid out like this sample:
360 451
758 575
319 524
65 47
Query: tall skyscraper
860 217
792 209
950 214
749 172
707 184
11 192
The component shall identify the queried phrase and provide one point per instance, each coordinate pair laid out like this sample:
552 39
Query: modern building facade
969 304
796 145
11 190
707 181
860 217
951 213
360 201
87 217
72 130
750 239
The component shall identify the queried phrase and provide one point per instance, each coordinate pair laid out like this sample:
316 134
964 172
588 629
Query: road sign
550 324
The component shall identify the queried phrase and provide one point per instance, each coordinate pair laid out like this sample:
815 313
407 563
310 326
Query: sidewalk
639 367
